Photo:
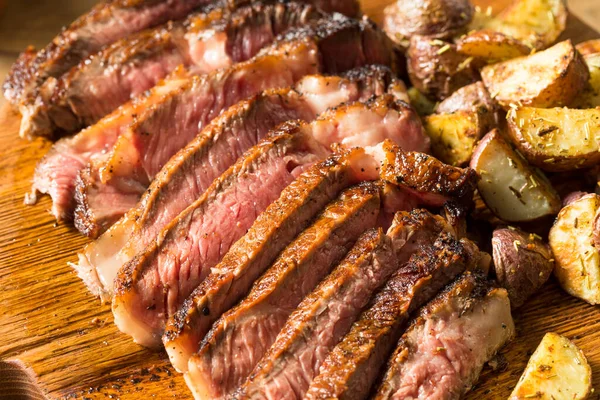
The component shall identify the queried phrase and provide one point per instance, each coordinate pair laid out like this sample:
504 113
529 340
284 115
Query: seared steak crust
204 42
443 351
427 177
326 314
352 366
239 338
104 24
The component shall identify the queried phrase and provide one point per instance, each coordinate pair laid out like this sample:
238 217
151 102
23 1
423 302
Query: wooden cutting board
69 345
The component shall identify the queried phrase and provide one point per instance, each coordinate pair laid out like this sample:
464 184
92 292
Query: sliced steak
331 45
206 41
145 325
327 313
443 351
56 173
225 359
187 175
353 365
106 23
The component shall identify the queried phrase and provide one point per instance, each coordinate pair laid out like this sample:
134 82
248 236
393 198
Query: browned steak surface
443 351
326 314
352 366
239 338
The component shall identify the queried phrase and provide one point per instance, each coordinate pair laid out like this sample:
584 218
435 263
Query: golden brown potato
510 187
454 136
590 97
491 46
557 370
589 47
436 69
556 139
550 78
535 23
433 18
572 240
420 102
523 263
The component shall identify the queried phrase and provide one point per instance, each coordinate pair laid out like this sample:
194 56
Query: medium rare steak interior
325 315
352 366
443 351
161 131
224 361
204 42
106 23
386 119
189 173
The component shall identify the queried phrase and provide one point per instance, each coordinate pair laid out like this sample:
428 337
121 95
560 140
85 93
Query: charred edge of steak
19 73
82 217
426 174
370 73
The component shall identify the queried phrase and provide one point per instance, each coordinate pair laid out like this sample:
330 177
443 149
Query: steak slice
161 131
187 175
132 291
353 365
106 23
56 172
443 351
204 42
327 313
225 359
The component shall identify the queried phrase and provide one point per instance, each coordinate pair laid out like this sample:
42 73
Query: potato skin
589 47
473 97
490 45
560 73
523 263
436 68
435 18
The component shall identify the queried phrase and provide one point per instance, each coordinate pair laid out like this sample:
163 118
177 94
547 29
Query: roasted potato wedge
557 370
454 136
468 98
420 102
535 23
556 139
523 263
436 68
433 18
509 186
589 47
550 78
491 46
572 240
590 98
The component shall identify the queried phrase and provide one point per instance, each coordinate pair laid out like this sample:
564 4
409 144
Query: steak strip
211 152
353 365
204 42
443 351
106 23
240 337
161 131
325 315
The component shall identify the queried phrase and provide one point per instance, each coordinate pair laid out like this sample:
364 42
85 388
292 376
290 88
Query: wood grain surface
65 338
